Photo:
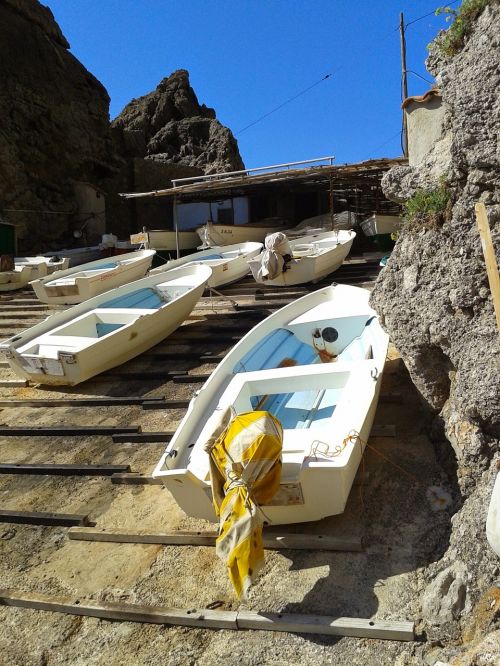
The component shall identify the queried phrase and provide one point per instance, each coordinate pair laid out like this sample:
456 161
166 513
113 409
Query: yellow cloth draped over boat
245 470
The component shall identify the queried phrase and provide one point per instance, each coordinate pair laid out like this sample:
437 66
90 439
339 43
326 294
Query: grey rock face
444 598
434 295
169 125
55 125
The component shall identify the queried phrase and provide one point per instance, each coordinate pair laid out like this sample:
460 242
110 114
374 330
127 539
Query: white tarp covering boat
316 365
87 339
321 223
214 234
80 283
301 260
229 263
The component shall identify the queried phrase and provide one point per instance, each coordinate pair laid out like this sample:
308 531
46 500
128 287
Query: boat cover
272 259
245 471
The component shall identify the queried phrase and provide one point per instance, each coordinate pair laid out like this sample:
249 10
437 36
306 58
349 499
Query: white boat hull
78 284
166 240
16 279
229 263
378 225
314 257
319 461
231 234
69 347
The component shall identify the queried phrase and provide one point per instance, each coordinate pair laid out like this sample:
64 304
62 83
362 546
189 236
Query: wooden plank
43 518
67 431
213 619
327 625
13 383
135 479
205 618
165 404
191 379
80 402
63 470
143 437
272 540
489 257
383 431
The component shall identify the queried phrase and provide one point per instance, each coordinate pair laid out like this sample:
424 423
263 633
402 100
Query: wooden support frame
63 470
272 540
214 619
66 431
143 437
43 518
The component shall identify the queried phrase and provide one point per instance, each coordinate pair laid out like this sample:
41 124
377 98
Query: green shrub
428 208
454 38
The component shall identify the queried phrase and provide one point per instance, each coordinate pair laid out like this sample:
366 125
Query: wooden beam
213 619
272 540
143 437
67 431
81 402
13 383
489 257
43 518
63 470
135 479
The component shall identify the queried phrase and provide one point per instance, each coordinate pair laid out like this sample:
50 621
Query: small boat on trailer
316 365
80 283
87 339
214 234
310 258
229 263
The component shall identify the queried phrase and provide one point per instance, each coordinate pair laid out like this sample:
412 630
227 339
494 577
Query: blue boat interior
103 329
208 257
111 264
300 410
146 299
278 349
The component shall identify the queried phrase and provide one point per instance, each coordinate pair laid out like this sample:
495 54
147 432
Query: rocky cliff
55 126
435 301
169 125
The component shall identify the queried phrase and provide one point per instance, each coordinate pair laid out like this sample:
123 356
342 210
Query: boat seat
144 299
273 350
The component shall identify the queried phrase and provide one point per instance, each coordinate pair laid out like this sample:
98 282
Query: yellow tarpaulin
245 468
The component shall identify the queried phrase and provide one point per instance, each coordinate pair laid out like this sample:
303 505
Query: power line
327 76
429 14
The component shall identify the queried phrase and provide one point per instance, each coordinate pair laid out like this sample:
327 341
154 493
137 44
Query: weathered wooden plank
13 383
213 619
43 518
143 437
80 402
272 540
191 379
327 625
63 470
489 257
67 431
165 404
135 479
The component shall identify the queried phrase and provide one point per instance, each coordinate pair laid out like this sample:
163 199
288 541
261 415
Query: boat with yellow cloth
316 365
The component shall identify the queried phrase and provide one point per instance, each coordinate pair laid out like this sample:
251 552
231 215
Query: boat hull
229 266
61 351
310 267
17 279
320 460
166 240
86 281
231 234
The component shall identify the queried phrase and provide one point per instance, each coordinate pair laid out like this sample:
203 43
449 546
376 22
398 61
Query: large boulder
169 125
55 126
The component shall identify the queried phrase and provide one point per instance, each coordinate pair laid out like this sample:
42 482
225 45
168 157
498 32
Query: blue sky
246 57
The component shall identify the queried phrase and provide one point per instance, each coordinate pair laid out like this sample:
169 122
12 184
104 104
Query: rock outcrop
55 127
169 125
435 301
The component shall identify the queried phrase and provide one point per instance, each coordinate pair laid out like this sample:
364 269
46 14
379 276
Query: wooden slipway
213 619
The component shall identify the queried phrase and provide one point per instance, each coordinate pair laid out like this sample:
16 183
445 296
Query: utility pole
404 80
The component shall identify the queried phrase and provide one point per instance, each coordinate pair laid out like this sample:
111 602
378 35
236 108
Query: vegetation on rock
428 208
452 41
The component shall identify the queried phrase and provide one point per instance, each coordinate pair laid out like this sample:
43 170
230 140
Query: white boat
322 223
322 406
229 263
15 279
312 258
493 518
214 234
42 266
87 339
77 284
162 240
381 225
78 255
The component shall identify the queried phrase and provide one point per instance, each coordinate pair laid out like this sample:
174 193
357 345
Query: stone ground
390 508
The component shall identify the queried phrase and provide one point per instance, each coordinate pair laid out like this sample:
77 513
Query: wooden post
404 80
489 257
